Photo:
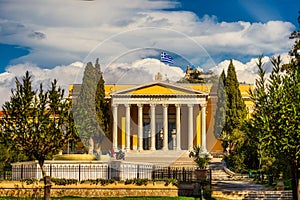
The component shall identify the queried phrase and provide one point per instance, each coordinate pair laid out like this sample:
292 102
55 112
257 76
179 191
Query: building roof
204 89
161 88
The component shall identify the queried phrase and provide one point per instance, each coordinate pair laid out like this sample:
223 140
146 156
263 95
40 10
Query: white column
165 138
203 127
152 128
178 128
127 129
115 127
140 127
190 126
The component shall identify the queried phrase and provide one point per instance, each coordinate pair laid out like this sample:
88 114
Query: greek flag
164 57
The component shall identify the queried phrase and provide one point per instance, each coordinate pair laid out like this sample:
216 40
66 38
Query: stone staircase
269 195
176 159
252 195
218 172
226 185
160 157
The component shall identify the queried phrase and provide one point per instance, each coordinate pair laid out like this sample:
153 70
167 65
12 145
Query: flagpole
164 57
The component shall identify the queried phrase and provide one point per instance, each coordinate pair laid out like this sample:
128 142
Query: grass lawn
108 198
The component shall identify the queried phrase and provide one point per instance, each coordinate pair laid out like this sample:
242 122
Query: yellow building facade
164 116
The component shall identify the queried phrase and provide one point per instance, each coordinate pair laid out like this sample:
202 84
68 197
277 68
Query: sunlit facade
163 116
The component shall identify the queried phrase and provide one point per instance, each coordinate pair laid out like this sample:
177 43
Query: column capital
152 105
140 105
165 105
203 105
190 105
177 105
127 105
115 105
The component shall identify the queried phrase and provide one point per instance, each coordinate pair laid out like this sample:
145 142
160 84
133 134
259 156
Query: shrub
63 181
29 181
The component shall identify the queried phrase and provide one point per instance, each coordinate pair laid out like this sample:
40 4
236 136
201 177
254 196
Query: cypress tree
102 106
235 106
221 106
84 110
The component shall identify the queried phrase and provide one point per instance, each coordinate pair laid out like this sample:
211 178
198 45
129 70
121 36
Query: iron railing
122 171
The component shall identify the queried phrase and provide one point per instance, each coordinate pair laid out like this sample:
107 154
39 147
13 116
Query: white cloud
247 72
65 76
63 32
138 72
141 71
126 36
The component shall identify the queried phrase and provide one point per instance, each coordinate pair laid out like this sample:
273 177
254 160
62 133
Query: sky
55 39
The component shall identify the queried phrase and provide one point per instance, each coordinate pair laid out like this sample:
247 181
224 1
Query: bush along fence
92 170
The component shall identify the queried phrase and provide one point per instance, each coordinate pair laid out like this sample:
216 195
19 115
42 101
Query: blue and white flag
164 57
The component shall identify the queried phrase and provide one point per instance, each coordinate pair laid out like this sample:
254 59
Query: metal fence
118 171
180 173
5 173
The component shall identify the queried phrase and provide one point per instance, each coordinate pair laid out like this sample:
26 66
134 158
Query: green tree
244 156
102 105
277 114
221 107
8 155
235 107
36 122
255 131
90 110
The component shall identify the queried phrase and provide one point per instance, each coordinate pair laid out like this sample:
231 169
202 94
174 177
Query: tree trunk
91 146
47 187
47 181
295 177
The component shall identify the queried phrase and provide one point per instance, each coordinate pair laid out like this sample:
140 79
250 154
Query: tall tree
89 109
235 107
8 155
36 122
221 107
102 105
277 111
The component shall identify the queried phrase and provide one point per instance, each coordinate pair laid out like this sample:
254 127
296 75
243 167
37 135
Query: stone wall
17 189
96 192
88 192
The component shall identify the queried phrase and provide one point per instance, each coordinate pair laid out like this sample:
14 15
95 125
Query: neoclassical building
163 116
158 115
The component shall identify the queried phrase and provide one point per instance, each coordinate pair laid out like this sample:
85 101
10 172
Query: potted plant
201 159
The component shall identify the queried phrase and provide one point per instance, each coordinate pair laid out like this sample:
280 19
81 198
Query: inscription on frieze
158 99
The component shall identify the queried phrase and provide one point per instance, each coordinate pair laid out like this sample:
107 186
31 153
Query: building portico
158 116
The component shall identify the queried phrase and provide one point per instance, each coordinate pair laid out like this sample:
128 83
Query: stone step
160 157
252 195
218 172
175 159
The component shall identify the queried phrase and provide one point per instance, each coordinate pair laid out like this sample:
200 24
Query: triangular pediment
159 88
